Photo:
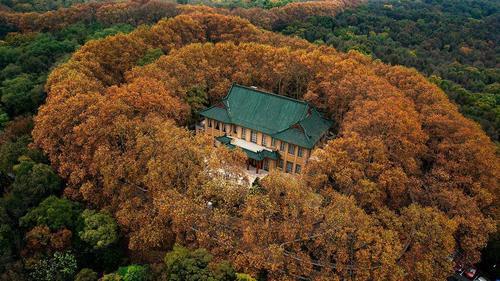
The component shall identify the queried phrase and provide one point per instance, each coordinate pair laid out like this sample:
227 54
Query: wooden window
298 168
289 167
217 125
280 164
264 143
235 131
299 151
210 123
244 133
253 136
282 145
224 128
291 149
273 142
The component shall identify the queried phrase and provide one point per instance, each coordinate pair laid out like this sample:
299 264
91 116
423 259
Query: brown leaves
41 240
353 246
429 234
406 180
149 12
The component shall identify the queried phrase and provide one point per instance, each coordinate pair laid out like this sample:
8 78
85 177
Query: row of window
291 149
289 166
253 138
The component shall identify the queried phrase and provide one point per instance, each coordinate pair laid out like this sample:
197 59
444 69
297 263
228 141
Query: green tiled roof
269 154
260 155
283 118
217 113
224 139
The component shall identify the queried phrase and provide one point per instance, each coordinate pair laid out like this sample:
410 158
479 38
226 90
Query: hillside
102 179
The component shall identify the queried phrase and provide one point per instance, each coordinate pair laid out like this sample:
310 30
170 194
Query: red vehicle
470 273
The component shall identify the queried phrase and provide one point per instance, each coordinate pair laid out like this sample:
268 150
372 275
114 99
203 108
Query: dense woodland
455 43
101 179
37 6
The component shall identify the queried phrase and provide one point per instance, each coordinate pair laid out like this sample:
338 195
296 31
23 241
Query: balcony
253 150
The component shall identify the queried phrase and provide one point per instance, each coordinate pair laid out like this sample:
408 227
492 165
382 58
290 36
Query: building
275 131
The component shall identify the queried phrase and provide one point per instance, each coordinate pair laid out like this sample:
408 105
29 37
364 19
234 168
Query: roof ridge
225 101
206 109
305 132
255 89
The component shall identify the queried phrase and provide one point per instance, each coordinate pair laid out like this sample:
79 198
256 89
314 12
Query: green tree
104 32
19 94
55 213
197 98
58 267
7 238
11 150
183 264
86 274
150 56
99 229
111 277
244 277
4 118
133 273
33 182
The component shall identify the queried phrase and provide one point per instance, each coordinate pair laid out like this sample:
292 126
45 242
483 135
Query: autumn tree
367 203
429 243
151 11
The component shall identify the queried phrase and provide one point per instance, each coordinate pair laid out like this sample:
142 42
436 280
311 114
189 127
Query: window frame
290 146
282 146
209 123
300 151
281 164
264 140
243 133
273 142
298 168
289 164
252 135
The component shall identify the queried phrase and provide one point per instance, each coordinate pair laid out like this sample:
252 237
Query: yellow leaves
174 33
400 142
351 239
429 234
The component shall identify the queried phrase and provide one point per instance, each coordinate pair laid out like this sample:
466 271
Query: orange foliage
407 180
151 11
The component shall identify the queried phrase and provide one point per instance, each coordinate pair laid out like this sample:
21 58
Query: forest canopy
151 11
455 43
398 191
